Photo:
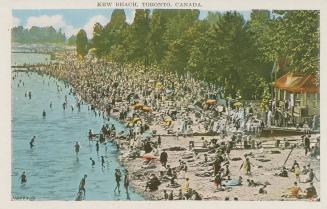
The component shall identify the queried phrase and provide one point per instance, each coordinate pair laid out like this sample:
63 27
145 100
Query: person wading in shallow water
118 178
77 146
126 181
97 147
92 162
82 185
23 178
102 162
32 142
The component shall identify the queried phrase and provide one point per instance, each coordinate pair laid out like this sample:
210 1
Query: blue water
52 168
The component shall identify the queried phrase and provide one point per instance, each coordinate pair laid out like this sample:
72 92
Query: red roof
297 83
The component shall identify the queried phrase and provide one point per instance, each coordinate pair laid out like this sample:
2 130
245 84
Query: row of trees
223 49
37 35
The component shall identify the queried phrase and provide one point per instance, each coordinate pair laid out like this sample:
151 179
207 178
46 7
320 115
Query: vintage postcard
175 101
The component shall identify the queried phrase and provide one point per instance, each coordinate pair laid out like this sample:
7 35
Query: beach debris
236 159
263 160
205 174
176 149
187 156
275 152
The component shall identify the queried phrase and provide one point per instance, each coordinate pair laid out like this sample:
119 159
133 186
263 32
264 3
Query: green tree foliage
97 42
72 40
137 38
37 35
223 49
81 43
113 36
290 35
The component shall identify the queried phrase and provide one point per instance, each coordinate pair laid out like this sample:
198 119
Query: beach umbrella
135 120
168 119
158 85
148 156
138 106
237 104
146 109
211 101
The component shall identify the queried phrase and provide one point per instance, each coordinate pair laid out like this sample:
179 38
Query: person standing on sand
246 165
297 173
186 186
307 144
218 180
164 158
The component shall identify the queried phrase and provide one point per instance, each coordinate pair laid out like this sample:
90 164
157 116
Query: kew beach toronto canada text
165 104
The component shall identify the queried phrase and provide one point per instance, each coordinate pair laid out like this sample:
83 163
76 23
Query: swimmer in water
32 142
51 105
44 114
92 162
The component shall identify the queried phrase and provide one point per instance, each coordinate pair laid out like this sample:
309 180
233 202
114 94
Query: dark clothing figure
32 142
164 158
102 162
283 173
169 172
152 184
147 147
126 181
218 180
165 195
306 144
171 196
77 146
216 166
23 178
159 141
118 179
92 162
97 147
82 185
311 192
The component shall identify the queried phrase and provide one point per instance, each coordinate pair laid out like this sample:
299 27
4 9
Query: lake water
52 168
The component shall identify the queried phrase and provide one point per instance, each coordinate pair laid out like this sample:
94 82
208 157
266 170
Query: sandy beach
262 172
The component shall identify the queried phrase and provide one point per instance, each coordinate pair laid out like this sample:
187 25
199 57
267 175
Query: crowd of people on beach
152 104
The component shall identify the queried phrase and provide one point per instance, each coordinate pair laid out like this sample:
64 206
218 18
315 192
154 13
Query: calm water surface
52 168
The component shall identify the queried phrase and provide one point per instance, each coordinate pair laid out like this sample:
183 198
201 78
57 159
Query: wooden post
288 156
